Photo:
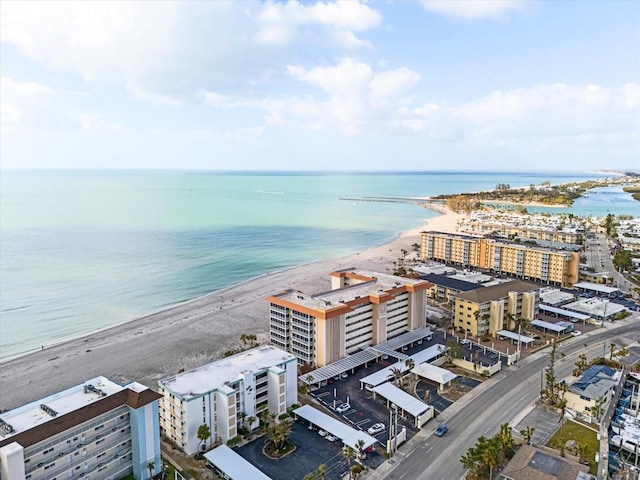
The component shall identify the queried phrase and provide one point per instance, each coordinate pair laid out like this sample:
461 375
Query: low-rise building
592 390
362 309
224 394
487 310
97 430
445 287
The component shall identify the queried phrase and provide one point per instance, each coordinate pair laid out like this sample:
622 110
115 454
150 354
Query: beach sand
187 335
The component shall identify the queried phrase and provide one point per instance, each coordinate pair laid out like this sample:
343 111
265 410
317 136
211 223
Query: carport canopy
233 465
385 374
436 374
514 336
402 399
369 354
548 326
565 313
349 436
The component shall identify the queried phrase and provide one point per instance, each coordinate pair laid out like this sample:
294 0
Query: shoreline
190 333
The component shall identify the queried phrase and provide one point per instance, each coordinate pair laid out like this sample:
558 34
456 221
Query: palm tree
242 416
596 409
251 420
360 447
505 441
527 434
151 466
396 375
349 454
409 363
612 348
204 432
309 476
491 457
562 406
322 471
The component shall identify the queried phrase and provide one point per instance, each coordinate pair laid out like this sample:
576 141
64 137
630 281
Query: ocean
85 250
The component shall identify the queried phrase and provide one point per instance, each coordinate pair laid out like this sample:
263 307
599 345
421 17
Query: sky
388 85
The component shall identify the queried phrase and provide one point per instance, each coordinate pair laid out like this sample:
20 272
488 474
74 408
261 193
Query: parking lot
311 451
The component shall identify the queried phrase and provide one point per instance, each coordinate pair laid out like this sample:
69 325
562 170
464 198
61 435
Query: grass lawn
582 435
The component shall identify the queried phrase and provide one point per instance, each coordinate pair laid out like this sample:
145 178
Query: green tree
396 376
612 349
204 432
581 364
251 420
491 456
151 466
322 471
505 441
622 260
349 455
608 224
527 434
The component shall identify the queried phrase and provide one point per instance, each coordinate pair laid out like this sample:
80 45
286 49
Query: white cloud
473 9
93 122
18 98
168 51
281 23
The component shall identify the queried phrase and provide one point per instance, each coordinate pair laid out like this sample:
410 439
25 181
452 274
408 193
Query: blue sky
401 85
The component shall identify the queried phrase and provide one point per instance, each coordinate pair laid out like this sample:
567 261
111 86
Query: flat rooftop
378 284
47 409
554 296
227 370
595 307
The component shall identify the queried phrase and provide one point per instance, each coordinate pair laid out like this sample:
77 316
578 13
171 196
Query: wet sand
187 335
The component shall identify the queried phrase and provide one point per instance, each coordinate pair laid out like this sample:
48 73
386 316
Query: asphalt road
512 391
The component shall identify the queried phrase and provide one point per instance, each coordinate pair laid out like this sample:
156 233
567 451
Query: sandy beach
188 335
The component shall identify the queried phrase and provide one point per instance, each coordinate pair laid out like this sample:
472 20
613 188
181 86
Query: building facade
529 262
487 310
224 394
361 309
97 430
590 393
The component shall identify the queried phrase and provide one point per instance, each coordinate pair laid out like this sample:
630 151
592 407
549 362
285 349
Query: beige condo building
487 310
361 309
553 267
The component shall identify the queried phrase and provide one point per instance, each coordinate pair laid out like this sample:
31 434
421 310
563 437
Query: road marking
362 422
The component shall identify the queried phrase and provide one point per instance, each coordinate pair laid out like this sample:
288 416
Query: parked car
322 433
343 408
331 438
376 428
464 341
575 333
441 430
344 375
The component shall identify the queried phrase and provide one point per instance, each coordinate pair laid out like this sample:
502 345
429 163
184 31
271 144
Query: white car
464 341
322 433
331 438
575 333
376 428
343 408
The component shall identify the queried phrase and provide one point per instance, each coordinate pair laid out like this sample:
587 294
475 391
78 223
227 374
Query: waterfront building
96 430
520 260
487 310
224 394
362 309
594 387
445 287
544 233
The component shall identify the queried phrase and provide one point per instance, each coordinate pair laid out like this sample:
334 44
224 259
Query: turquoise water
85 250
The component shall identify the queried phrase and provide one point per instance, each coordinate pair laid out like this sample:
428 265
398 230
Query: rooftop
450 282
46 409
373 283
595 382
530 463
224 371
496 292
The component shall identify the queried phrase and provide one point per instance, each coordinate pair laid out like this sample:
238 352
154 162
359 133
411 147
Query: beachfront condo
98 430
529 262
225 395
485 311
362 309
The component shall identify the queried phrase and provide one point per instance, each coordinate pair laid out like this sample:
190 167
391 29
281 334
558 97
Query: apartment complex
97 430
550 234
487 310
223 393
445 287
361 309
529 262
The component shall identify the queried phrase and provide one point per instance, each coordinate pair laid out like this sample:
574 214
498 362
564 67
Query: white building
215 395
96 430
362 309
